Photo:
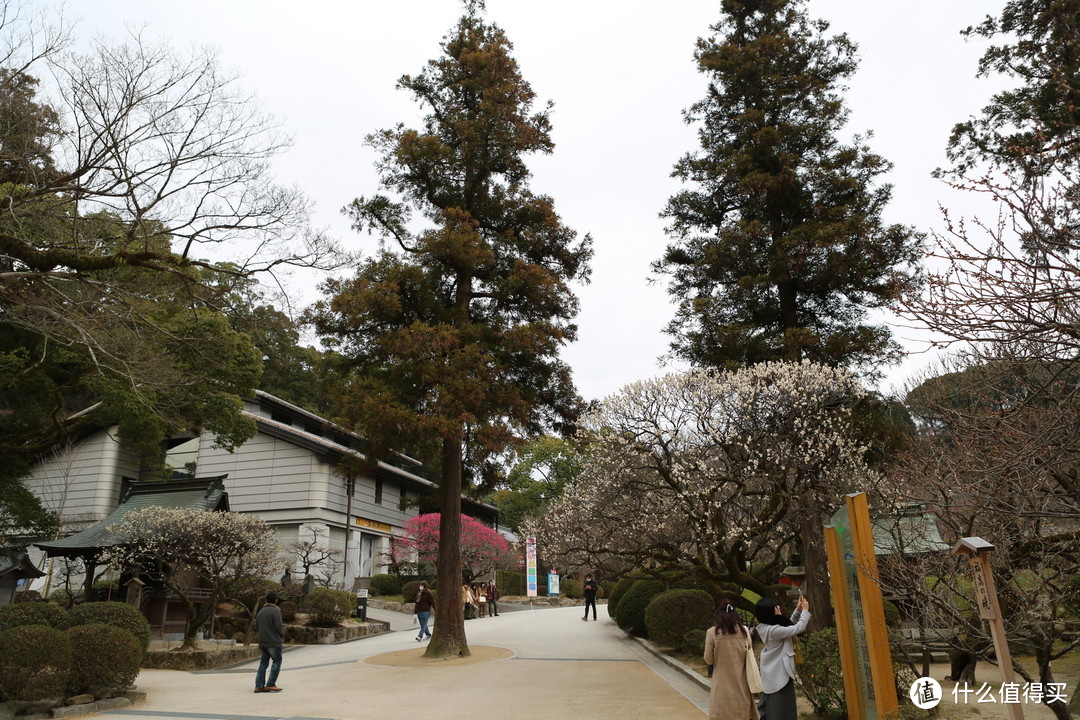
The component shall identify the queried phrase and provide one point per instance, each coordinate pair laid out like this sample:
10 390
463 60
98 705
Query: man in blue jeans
424 602
271 637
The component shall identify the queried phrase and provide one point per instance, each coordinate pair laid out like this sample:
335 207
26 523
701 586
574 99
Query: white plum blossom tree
709 471
186 550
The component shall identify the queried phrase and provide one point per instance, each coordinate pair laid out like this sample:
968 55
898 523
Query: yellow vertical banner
845 633
873 609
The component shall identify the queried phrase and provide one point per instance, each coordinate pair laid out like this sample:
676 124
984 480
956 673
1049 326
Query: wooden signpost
860 613
978 552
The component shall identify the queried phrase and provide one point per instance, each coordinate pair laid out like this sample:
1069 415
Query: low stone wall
304 635
207 658
198 659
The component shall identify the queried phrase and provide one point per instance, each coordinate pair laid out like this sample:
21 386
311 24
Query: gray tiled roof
199 493
19 567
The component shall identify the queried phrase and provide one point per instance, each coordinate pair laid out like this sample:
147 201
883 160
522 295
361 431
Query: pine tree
453 331
1033 126
779 248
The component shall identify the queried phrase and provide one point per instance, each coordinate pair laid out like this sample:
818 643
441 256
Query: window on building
181 455
378 491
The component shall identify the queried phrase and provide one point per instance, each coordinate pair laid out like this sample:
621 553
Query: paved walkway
561 667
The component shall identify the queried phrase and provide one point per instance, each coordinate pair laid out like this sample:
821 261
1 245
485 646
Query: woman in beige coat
726 645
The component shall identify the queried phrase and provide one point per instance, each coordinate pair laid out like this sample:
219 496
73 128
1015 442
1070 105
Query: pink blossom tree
481 547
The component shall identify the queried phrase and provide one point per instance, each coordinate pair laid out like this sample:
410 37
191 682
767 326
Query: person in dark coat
271 637
589 591
424 603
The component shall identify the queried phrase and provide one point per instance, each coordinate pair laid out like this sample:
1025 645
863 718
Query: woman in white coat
778 657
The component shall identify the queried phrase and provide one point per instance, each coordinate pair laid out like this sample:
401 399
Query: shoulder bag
753 675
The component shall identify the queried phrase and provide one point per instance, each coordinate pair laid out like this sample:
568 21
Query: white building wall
82 481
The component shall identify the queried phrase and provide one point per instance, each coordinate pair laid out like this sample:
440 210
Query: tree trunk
449 636
816 582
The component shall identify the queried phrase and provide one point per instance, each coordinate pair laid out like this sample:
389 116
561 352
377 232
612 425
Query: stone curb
681 667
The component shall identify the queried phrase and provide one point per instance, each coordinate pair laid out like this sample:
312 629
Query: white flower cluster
708 468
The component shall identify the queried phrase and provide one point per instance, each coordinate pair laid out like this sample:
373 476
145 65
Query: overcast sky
620 75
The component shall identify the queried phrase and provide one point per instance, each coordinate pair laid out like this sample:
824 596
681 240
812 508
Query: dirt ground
414 657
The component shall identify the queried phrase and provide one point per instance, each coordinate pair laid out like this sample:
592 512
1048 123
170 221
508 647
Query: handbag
753 675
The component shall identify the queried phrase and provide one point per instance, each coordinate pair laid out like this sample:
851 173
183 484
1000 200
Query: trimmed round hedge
631 612
672 614
103 657
35 662
328 607
617 593
117 614
572 589
386 584
409 591
32 613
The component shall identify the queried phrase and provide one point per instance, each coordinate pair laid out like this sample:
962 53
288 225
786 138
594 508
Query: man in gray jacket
271 638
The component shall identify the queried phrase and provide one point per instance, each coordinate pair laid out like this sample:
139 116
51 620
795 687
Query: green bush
631 617
117 614
510 582
103 657
288 610
32 613
693 642
617 593
386 584
328 607
62 597
250 590
670 615
410 590
819 676
821 679
572 589
35 662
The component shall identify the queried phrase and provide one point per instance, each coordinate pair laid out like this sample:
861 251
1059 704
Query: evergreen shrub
409 591
631 612
693 642
288 610
616 595
328 607
510 582
35 662
117 614
32 613
572 589
386 584
670 615
103 657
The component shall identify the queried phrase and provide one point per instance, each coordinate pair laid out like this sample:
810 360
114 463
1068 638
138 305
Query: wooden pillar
845 633
977 551
877 635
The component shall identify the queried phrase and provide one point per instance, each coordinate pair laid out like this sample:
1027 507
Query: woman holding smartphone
778 657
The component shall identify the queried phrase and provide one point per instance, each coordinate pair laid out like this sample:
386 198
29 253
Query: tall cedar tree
454 331
1030 127
779 247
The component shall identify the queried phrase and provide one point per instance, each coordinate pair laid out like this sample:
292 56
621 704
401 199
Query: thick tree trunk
816 583
448 638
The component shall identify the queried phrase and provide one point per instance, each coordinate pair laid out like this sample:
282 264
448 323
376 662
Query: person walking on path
778 657
726 645
271 637
589 591
493 598
424 602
